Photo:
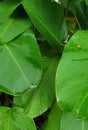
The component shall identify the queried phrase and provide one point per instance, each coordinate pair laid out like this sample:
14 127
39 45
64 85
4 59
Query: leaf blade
10 119
51 25
20 64
71 78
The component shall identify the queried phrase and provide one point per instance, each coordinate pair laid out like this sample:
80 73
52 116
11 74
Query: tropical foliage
44 65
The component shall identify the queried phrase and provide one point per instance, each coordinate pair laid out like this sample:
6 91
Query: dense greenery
43 65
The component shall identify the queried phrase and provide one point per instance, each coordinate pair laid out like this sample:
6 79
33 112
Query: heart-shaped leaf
15 119
48 18
20 63
72 76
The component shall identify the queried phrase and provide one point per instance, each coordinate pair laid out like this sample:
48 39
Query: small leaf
20 63
48 18
15 119
72 76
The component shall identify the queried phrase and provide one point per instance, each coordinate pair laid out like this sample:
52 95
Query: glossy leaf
41 98
20 63
12 26
48 18
54 119
46 86
15 119
70 122
71 77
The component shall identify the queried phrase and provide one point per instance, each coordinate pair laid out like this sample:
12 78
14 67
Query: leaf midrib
15 61
83 100
6 28
53 35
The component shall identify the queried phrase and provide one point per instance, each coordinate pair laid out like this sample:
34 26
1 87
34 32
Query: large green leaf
15 119
72 76
54 119
44 95
9 24
48 18
70 122
20 64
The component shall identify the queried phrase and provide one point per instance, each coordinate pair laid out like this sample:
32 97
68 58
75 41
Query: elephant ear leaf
20 63
72 76
48 18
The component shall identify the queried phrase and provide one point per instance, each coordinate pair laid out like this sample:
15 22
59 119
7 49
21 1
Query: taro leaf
15 119
70 122
12 26
72 76
54 119
20 63
41 98
48 18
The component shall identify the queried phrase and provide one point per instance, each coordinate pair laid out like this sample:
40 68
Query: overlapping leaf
70 122
72 76
20 64
38 100
15 119
48 18
12 26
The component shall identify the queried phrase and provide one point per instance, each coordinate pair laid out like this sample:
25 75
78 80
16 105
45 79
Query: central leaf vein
17 64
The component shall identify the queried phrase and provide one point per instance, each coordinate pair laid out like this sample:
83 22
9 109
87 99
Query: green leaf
14 25
81 10
72 76
70 122
6 8
54 119
41 98
20 63
48 18
46 86
15 119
